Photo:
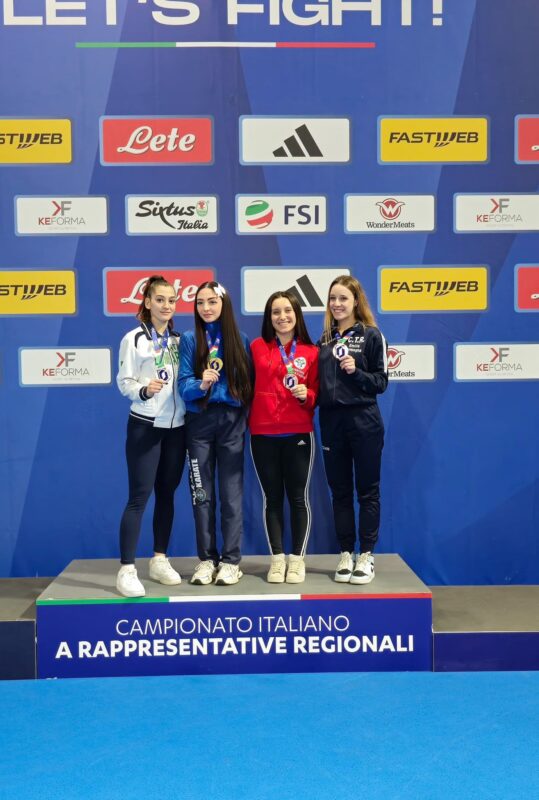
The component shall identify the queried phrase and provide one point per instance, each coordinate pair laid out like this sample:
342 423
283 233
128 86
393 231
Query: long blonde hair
362 309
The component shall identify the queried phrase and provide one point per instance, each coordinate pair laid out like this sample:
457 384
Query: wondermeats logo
156 140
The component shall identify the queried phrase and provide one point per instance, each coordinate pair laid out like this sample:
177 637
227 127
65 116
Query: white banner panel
389 213
75 216
274 213
496 362
411 362
170 214
65 366
486 213
294 140
309 284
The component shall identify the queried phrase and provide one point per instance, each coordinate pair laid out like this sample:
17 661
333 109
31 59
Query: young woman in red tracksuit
281 424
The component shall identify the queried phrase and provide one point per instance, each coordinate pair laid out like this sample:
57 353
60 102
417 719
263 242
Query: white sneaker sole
222 582
361 580
133 593
196 581
166 581
295 578
342 578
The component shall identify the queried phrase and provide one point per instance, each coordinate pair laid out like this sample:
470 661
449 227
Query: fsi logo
73 366
271 213
434 140
156 140
496 213
123 287
499 362
75 216
527 139
373 213
291 140
411 362
309 284
35 141
527 287
170 214
406 289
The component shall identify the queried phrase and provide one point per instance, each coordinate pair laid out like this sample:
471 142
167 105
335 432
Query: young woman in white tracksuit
353 371
155 446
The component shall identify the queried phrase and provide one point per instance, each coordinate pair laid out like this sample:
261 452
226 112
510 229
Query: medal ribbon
287 360
213 347
342 339
159 349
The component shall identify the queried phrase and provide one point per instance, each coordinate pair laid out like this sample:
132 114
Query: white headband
219 290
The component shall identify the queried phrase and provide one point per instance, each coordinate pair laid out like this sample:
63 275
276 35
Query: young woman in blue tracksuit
216 386
155 446
353 371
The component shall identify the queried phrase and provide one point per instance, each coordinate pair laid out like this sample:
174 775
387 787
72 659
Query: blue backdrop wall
460 485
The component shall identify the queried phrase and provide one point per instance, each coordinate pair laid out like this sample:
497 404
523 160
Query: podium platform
84 629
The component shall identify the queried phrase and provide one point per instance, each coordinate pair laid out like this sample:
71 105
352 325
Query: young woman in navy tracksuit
215 383
353 371
281 424
155 446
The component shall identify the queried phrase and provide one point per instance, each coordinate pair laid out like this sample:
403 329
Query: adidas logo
301 145
301 441
310 296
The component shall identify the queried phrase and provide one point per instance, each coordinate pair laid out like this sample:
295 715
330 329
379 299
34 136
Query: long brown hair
300 330
143 313
235 358
362 309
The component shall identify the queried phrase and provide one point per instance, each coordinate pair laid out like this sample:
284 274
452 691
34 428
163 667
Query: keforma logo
271 214
35 141
527 139
65 366
170 214
434 140
496 213
408 289
527 287
498 362
294 140
156 140
309 284
36 293
378 213
411 362
75 216
123 287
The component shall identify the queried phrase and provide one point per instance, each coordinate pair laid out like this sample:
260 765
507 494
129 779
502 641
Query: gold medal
216 364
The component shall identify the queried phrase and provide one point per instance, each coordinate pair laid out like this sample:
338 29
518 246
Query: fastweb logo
310 285
405 140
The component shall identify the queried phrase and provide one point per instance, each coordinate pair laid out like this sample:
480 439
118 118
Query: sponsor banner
309 284
294 140
406 289
33 292
289 634
496 213
35 141
170 214
411 362
123 287
171 141
432 140
277 213
527 139
75 216
527 287
497 362
65 366
379 213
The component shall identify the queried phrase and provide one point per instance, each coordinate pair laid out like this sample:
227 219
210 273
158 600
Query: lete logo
156 140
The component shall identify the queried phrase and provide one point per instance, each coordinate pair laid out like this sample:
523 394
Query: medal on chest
290 380
214 362
159 349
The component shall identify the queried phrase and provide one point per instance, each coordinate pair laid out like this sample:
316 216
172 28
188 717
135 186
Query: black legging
285 463
155 461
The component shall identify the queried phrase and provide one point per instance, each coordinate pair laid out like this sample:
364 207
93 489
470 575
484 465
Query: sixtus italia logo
527 139
170 214
36 293
407 289
434 140
527 287
123 287
35 141
60 215
271 213
378 213
156 140
411 362
495 213
499 362
69 366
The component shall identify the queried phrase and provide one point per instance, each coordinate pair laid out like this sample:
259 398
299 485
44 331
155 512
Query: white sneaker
364 569
277 569
296 569
205 572
127 582
343 573
163 572
228 575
